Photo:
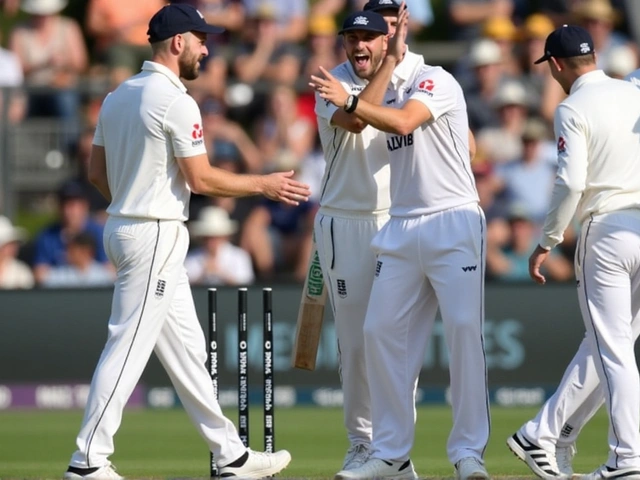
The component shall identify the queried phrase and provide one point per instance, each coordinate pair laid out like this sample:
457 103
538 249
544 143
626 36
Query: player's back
609 112
144 177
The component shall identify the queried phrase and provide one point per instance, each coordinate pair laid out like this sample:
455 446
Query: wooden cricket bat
310 316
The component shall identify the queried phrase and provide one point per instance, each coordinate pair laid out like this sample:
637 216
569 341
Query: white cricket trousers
348 264
604 368
427 262
152 310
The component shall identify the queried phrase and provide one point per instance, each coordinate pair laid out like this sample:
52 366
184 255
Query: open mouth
361 60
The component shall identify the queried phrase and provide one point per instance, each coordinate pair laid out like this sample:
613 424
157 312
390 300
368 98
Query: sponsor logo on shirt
562 145
398 141
342 288
427 86
390 101
197 134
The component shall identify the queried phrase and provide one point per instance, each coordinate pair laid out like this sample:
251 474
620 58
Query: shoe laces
564 457
357 452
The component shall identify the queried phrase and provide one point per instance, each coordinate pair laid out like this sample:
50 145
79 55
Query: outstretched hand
280 186
398 43
329 88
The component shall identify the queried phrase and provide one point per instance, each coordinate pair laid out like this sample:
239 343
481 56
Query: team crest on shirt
197 135
562 145
427 86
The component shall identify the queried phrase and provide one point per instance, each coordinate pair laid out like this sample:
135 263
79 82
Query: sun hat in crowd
537 25
485 52
43 7
9 233
213 222
499 28
595 10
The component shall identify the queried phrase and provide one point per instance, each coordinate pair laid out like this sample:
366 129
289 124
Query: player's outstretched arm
205 179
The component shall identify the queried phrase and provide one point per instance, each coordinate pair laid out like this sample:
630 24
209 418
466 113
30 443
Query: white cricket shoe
541 462
471 468
257 465
375 468
106 472
604 472
356 456
564 457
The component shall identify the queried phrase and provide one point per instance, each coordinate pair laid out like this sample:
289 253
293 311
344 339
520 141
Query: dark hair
83 240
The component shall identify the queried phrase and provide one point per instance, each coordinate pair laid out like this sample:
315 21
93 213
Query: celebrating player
148 154
430 250
355 203
598 180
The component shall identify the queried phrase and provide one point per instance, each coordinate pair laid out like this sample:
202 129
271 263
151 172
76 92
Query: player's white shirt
598 135
356 176
143 125
634 77
431 167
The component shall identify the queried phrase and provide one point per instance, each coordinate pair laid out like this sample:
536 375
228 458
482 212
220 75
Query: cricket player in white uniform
354 205
430 251
598 180
148 155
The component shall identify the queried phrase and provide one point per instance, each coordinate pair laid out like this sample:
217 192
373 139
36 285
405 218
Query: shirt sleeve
183 122
571 176
98 138
324 108
436 89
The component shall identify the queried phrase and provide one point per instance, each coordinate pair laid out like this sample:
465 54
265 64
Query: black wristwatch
351 103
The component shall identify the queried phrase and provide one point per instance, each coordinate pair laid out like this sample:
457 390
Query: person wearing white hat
218 261
13 272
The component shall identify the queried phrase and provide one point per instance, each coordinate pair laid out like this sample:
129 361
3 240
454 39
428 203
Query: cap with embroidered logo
377 5
178 18
567 41
365 20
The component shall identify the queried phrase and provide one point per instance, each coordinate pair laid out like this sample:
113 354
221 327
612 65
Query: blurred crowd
258 116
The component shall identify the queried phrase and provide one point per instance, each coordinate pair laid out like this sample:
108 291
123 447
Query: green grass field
164 444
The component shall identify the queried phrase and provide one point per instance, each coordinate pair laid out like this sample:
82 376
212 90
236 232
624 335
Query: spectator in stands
528 180
217 261
468 16
511 260
262 55
11 77
544 92
621 61
503 31
283 133
81 268
503 143
279 238
226 139
214 68
13 272
486 61
50 249
323 50
290 17
53 55
599 18
119 28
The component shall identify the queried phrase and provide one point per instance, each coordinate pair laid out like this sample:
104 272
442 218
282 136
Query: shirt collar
593 76
403 71
149 66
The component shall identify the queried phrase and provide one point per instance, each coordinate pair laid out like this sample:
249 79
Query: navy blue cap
369 21
377 5
567 41
178 18
72 189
